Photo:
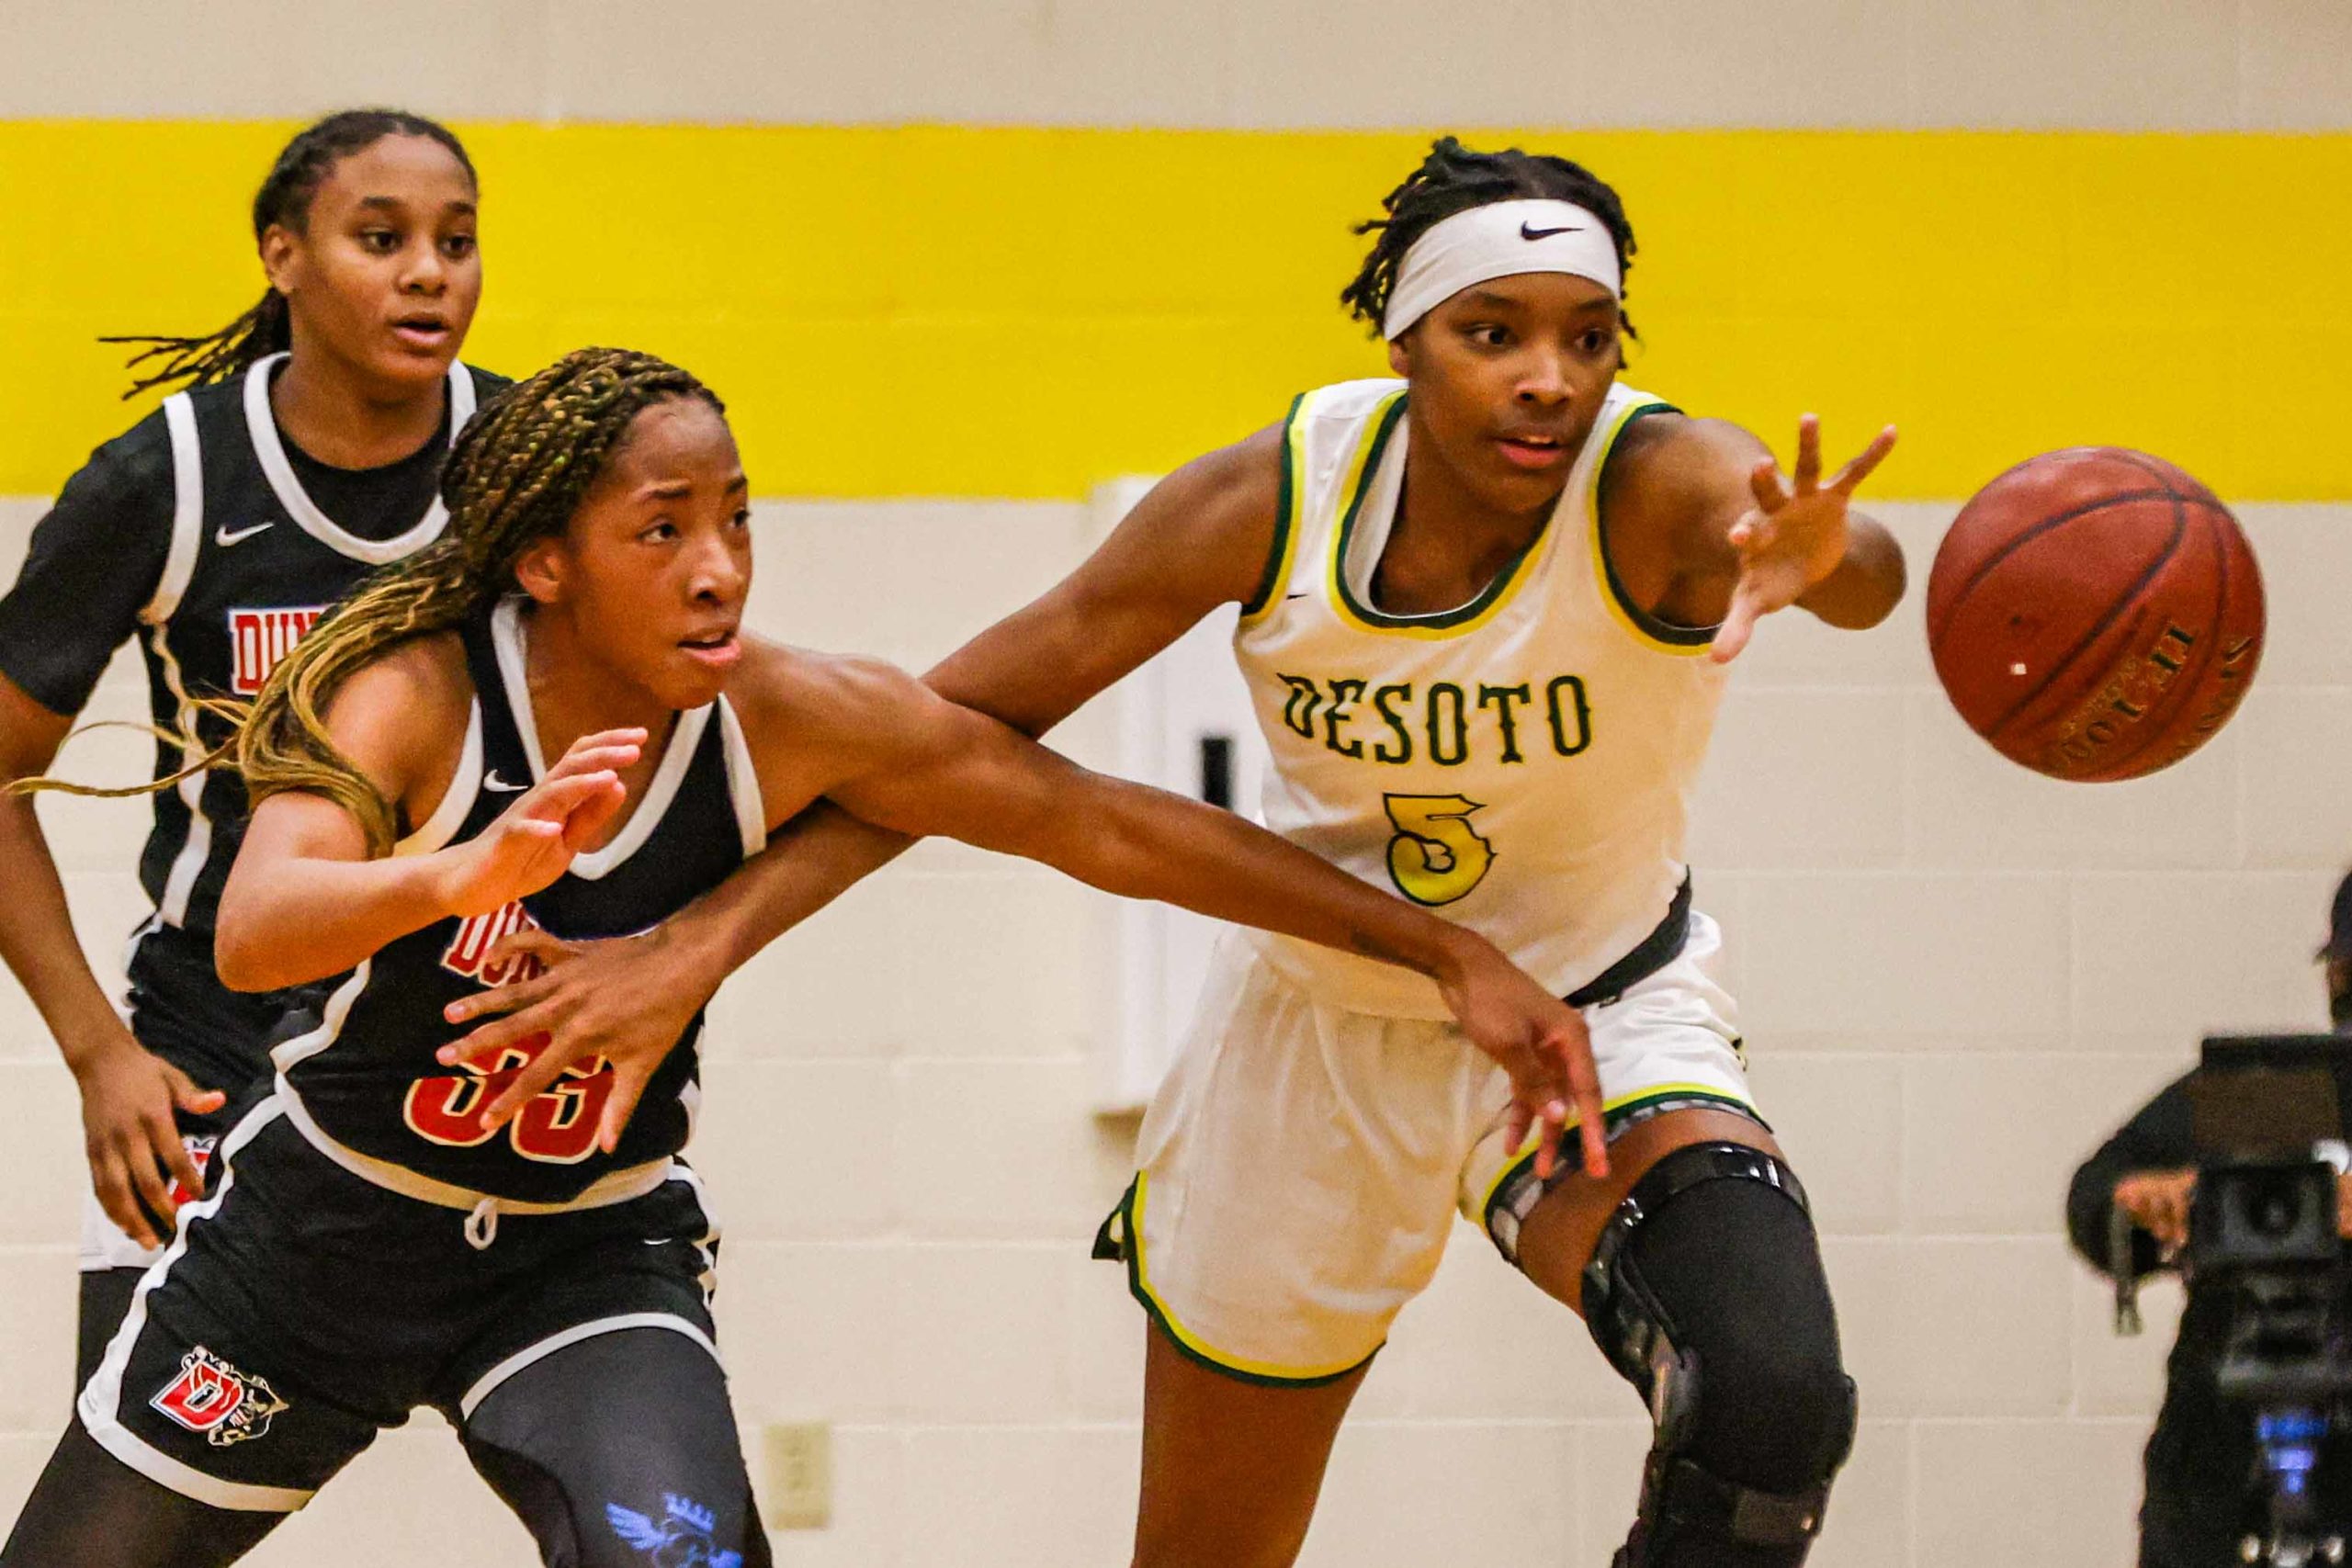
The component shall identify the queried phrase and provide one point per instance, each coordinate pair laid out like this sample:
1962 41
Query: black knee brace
1706 1292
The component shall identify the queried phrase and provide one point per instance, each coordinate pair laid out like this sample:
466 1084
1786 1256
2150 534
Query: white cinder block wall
1954 977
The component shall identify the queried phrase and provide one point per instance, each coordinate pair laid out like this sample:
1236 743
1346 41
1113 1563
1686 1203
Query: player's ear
539 569
279 246
1400 359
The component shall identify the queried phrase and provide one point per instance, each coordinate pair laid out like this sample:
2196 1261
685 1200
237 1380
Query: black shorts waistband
1652 954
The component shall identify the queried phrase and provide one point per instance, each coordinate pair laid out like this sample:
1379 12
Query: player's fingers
187 1097
1808 474
1739 624
588 819
542 1070
594 758
619 1106
529 942
482 1045
172 1149
147 1174
497 999
1871 456
1764 480
110 1180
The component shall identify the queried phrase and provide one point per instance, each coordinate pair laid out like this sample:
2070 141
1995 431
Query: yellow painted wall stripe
939 310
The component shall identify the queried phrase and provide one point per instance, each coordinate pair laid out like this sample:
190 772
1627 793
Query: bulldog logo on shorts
212 1397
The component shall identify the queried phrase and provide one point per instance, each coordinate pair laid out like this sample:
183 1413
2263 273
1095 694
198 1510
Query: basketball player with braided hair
299 451
552 718
1485 608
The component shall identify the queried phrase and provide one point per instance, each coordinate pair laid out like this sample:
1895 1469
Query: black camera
2267 1116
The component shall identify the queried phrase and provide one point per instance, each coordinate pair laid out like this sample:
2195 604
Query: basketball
2096 613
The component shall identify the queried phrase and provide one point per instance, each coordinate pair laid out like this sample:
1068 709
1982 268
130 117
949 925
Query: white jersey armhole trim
261 426
188 510
524 1358
465 784
742 782
100 1405
677 756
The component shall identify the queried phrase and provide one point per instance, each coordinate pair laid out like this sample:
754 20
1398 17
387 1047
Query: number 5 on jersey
1436 856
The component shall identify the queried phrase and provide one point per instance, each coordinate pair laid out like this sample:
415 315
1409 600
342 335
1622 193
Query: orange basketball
2096 613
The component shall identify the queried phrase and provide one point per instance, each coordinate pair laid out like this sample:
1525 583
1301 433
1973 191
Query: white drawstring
482 1225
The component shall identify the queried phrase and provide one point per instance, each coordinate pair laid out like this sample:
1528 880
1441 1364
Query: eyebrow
1494 301
394 204
678 489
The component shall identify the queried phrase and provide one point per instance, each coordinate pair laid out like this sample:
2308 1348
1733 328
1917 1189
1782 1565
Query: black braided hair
284 199
1455 178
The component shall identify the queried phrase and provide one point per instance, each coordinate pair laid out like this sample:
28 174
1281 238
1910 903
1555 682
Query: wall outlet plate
796 1475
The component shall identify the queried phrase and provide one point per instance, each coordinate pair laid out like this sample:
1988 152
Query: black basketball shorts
303 1309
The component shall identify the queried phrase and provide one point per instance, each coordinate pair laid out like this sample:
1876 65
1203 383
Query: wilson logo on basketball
259 638
468 951
212 1397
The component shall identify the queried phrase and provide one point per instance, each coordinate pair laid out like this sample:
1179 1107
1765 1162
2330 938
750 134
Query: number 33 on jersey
1522 763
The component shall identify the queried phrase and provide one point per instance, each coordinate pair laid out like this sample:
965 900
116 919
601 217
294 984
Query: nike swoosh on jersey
223 537
1527 233
491 781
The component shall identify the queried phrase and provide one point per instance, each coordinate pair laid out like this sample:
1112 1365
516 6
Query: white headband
1498 240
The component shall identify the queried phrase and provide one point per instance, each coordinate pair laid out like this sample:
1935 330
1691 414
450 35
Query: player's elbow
244 953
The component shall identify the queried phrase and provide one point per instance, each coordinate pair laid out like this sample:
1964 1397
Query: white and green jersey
1522 764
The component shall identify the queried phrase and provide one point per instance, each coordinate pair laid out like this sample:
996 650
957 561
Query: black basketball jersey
254 561
359 1076
204 533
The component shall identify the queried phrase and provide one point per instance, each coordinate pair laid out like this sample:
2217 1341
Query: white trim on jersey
100 1405
677 756
180 883
744 781
188 510
262 425
489 1382
465 784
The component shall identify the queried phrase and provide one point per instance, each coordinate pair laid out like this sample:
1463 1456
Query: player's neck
1447 543
573 692
336 419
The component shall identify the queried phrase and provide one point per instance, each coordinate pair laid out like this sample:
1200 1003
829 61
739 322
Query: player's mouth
426 331
1533 451
714 650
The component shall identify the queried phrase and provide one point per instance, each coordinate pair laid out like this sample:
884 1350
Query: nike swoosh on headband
1527 233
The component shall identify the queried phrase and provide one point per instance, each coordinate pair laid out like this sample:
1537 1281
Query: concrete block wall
1319 65
1954 976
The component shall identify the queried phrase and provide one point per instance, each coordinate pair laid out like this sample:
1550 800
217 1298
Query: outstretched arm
1199 539
920 764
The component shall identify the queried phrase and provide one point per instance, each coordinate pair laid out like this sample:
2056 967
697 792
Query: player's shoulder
1669 465
132 469
420 683
488 384
815 693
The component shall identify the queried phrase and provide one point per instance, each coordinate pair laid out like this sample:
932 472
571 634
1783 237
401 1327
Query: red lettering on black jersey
259 638
468 951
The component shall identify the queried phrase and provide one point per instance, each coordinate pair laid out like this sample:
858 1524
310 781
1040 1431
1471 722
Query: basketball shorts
301 1309
1301 1165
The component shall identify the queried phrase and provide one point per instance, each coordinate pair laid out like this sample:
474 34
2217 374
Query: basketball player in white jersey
1485 610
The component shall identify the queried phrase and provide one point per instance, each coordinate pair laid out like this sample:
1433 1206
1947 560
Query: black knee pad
1706 1292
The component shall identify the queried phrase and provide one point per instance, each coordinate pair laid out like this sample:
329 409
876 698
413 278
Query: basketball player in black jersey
303 454
375 1241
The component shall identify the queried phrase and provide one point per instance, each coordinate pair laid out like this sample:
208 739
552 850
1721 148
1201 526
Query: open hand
1795 538
533 843
628 999
1543 1043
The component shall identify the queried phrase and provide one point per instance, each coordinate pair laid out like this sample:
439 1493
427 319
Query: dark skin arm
128 1093
1703 529
1198 540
